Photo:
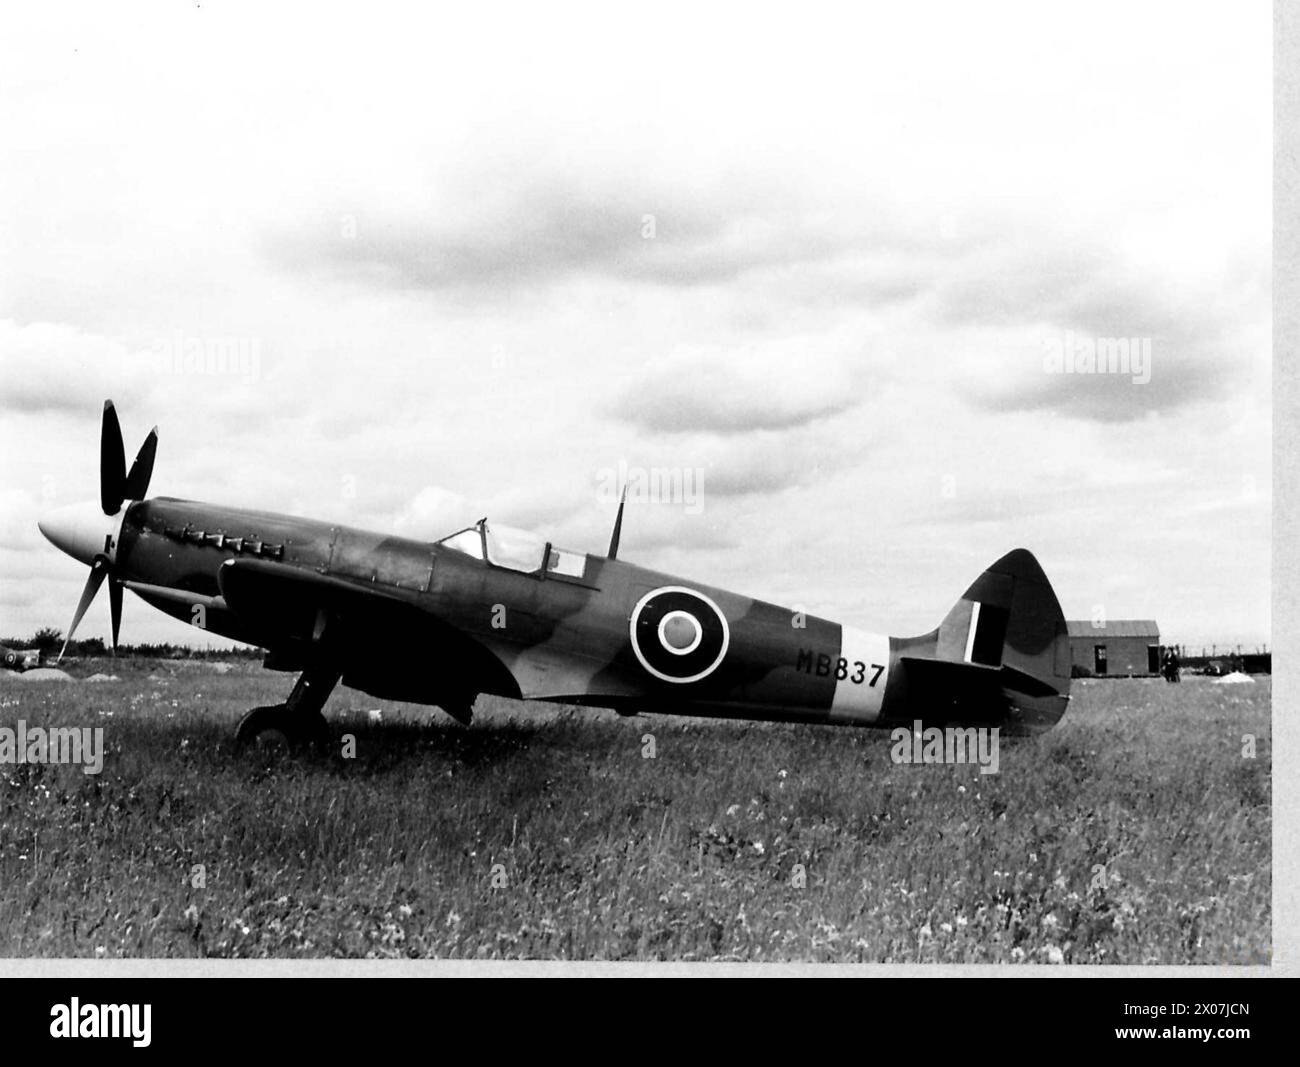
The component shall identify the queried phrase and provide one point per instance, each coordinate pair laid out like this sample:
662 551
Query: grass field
1135 832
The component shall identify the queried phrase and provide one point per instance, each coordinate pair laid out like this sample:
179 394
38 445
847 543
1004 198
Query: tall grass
1135 832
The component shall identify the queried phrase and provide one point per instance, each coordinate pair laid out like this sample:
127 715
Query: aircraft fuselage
594 637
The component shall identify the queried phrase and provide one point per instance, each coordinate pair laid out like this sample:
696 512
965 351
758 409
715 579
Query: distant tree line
49 640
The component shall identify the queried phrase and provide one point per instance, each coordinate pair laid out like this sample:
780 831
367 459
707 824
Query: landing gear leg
460 708
297 723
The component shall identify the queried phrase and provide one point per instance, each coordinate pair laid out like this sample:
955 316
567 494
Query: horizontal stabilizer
949 692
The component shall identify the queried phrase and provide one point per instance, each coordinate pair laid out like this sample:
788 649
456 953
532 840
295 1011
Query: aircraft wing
545 674
289 599
389 644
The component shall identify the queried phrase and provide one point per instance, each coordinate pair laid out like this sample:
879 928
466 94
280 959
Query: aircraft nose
83 531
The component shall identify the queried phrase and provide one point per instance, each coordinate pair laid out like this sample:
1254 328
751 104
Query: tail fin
1000 655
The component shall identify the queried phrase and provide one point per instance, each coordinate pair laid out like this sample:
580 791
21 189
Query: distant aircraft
490 609
19 659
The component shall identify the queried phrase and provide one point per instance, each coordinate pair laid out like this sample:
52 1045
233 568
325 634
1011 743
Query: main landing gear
459 704
296 724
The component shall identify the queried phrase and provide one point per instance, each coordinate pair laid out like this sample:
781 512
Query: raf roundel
678 635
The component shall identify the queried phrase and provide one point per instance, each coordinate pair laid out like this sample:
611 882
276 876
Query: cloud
565 204
55 369
767 464
987 287
435 512
697 468
1092 333
548 235
682 402
18 514
775 385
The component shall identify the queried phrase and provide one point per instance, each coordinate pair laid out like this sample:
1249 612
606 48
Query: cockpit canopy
516 550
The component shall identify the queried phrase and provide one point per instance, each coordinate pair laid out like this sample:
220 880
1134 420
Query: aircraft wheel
266 729
277 728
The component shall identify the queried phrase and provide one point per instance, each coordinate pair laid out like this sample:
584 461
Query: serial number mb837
824 665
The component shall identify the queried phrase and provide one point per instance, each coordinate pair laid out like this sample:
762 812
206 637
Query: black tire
255 729
274 727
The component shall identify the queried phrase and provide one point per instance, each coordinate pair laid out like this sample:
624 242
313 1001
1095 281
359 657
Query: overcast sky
477 260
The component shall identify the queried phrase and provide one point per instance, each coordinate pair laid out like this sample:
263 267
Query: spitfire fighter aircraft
489 609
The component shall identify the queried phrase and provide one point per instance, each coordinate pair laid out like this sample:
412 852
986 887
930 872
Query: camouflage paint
417 621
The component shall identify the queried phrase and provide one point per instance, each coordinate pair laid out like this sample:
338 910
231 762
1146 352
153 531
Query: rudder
1000 655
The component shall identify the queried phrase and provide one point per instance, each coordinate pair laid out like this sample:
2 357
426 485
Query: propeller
137 481
98 572
116 486
112 462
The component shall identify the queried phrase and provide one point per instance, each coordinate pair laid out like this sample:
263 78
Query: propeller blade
115 607
137 482
98 571
112 462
